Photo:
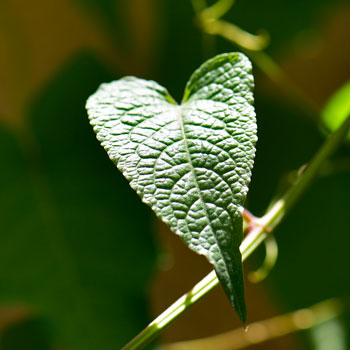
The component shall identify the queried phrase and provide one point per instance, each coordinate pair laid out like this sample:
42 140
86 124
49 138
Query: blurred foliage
337 108
111 15
69 220
285 21
329 335
32 334
70 247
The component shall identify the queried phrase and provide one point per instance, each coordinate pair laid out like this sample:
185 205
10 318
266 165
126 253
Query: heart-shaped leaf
191 162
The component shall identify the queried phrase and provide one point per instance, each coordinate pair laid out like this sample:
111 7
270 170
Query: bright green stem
257 235
218 9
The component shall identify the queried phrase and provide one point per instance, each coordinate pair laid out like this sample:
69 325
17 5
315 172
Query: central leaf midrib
182 128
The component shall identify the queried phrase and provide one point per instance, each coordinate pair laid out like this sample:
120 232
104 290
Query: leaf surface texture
190 162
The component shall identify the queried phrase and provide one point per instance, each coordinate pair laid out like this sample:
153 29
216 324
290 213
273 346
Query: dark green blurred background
83 264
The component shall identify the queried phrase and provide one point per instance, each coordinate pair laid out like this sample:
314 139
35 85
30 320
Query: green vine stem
271 255
208 19
258 233
269 329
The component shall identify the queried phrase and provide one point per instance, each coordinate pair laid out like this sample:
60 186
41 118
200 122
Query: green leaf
337 108
191 162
